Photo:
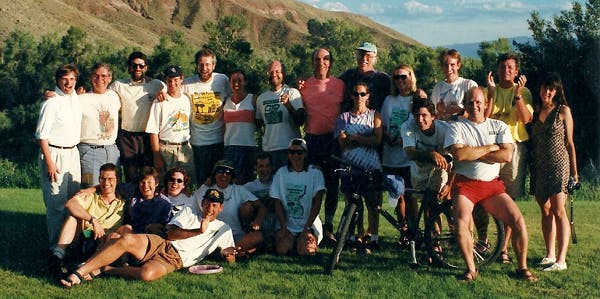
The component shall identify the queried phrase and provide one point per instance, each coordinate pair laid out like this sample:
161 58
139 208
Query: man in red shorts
479 146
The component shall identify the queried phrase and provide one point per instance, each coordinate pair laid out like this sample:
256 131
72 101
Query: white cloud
335 6
414 7
371 9
503 5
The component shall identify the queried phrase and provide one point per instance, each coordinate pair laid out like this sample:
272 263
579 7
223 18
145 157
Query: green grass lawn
385 274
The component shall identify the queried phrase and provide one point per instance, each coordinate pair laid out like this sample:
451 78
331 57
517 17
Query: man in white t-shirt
99 125
58 132
282 113
479 145
169 126
207 90
447 95
192 234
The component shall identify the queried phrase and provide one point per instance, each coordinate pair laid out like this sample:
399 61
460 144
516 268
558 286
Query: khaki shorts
161 250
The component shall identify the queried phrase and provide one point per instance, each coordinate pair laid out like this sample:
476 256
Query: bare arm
314 208
491 91
371 140
159 163
492 153
567 119
260 215
426 156
524 116
174 232
77 211
280 213
52 170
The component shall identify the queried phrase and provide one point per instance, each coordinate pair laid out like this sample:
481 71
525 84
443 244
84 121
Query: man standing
378 82
169 126
281 111
58 132
192 234
322 95
479 145
136 96
99 125
206 90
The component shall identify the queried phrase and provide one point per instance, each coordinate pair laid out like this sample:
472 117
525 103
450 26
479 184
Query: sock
374 238
58 252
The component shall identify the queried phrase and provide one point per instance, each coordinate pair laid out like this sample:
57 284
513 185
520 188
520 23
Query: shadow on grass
23 243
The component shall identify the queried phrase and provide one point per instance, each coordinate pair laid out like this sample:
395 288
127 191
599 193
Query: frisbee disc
205 269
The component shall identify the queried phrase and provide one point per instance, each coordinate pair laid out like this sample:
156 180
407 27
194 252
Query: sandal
97 272
68 281
504 258
468 276
524 274
483 246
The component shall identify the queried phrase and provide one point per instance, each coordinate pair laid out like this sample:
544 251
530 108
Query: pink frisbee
205 269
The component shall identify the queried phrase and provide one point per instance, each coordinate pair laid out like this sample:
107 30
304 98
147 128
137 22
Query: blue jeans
205 157
94 156
243 161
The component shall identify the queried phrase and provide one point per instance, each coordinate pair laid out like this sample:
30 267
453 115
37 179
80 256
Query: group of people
201 130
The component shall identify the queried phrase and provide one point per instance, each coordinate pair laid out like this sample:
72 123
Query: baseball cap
173 71
213 195
298 141
369 47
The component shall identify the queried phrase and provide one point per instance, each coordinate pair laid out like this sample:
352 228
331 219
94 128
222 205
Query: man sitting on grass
98 214
191 235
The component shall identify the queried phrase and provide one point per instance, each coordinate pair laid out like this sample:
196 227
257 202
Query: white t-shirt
239 122
412 136
491 131
261 190
100 117
394 112
136 99
60 119
451 93
279 125
207 125
234 197
170 119
180 201
296 191
192 250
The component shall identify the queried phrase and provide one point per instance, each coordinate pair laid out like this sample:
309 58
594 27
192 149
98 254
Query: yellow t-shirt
504 110
109 216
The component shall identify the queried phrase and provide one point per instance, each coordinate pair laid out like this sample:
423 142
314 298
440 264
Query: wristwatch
91 219
516 98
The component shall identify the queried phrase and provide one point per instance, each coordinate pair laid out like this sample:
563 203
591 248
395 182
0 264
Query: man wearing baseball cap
191 235
379 82
169 126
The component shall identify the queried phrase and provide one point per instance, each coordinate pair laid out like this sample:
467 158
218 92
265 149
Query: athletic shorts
476 191
162 251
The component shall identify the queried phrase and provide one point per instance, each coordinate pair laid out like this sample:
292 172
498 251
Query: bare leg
548 227
563 229
463 211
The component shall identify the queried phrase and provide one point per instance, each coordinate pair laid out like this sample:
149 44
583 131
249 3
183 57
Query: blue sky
438 23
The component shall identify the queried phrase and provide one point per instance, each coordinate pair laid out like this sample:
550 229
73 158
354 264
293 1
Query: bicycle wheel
442 246
341 236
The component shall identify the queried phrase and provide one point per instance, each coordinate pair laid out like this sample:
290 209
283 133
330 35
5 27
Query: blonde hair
413 79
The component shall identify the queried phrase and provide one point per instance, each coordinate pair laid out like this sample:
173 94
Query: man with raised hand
136 94
479 145
281 111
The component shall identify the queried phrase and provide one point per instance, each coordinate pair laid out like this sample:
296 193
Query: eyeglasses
296 152
362 94
178 180
137 65
224 170
403 77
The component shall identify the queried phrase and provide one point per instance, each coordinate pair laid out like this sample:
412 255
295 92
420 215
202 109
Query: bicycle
439 240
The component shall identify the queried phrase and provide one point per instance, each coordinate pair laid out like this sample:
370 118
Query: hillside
140 23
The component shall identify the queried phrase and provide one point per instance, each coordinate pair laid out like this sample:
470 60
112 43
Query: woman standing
555 160
359 134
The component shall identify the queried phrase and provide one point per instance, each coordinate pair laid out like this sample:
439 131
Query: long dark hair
552 80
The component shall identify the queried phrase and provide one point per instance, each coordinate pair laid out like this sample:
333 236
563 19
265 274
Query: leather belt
61 147
174 143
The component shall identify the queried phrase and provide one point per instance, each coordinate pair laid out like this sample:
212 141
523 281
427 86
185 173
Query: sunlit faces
108 181
360 95
237 82
475 104
264 169
424 119
547 94
205 67
223 176
507 70
275 74
365 60
176 183
147 186
101 77
173 84
67 83
322 62
450 68
211 210
137 69
402 79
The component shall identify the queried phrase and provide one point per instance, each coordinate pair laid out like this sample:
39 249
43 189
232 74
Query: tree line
569 45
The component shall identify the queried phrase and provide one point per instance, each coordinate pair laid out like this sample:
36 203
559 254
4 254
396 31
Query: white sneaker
556 267
547 262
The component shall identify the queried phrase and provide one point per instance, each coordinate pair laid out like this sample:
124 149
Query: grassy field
385 274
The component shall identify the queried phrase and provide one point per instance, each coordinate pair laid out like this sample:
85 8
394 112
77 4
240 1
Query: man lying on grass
191 235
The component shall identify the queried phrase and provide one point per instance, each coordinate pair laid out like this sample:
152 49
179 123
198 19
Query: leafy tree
172 49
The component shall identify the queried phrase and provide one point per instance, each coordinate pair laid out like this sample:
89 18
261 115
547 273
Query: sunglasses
296 152
224 170
362 94
403 77
179 181
137 65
